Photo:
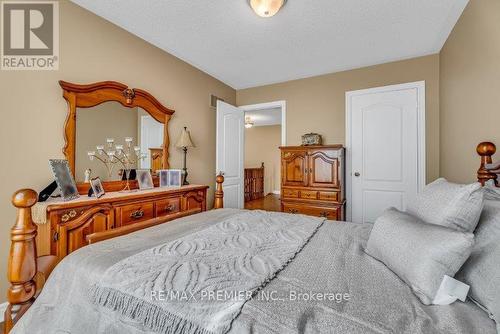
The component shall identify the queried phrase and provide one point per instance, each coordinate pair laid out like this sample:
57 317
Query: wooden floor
270 202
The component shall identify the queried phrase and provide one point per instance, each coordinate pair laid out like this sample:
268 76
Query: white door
151 137
230 152
386 148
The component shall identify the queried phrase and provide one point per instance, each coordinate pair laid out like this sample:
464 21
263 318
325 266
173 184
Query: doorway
248 140
385 143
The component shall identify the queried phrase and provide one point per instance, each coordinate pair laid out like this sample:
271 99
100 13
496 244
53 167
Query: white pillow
482 269
420 254
449 204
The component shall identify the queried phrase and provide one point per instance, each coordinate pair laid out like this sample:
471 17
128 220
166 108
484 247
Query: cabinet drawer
290 193
167 206
329 196
308 194
332 213
132 213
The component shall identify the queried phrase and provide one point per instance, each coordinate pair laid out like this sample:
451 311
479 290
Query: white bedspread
331 286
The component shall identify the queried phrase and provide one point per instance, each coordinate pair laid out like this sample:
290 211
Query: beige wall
318 104
470 89
92 49
262 145
93 126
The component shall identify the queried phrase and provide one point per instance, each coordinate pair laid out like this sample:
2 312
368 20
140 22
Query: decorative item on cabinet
184 142
311 139
175 177
47 192
97 188
88 175
64 179
312 180
115 154
145 179
170 177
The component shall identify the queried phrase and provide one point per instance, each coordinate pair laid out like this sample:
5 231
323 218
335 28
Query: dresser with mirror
106 122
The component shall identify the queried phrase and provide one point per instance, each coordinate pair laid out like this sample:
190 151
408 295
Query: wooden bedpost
22 266
219 193
486 150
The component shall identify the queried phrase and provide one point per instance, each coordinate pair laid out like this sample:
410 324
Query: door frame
271 105
421 148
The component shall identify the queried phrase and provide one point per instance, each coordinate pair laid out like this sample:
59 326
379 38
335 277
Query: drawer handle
294 211
137 214
170 207
324 214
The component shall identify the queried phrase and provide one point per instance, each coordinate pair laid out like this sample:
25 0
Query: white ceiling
265 117
226 39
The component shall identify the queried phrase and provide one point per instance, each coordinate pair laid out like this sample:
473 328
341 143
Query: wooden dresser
312 180
63 226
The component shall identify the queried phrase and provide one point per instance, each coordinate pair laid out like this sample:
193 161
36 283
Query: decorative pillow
420 254
491 191
482 269
449 204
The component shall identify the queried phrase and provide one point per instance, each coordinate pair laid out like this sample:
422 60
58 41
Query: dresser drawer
167 206
328 196
308 194
332 213
290 193
132 213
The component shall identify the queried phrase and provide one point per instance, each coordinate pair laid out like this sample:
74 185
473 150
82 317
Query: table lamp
184 142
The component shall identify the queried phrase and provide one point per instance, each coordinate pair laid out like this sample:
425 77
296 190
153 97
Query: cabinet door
72 235
323 169
194 200
294 168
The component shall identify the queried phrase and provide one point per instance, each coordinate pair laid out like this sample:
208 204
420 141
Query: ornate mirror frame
91 95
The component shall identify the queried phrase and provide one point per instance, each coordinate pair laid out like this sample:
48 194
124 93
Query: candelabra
113 154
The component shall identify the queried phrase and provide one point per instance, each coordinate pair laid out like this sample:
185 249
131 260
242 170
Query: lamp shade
184 139
266 8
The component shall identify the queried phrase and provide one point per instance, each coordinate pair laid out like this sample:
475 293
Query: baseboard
276 192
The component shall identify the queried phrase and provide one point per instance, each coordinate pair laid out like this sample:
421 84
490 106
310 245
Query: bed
336 286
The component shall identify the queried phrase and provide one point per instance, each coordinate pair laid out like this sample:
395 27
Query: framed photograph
174 177
163 175
144 179
97 187
64 179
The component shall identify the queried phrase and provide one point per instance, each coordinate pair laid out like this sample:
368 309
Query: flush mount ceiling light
266 8
248 122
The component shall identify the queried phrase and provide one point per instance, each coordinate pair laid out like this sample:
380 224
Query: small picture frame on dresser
163 176
97 188
174 177
64 179
144 179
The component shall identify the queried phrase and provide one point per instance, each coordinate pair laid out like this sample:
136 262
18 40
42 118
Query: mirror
113 130
111 138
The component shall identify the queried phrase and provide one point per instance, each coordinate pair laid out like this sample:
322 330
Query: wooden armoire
312 180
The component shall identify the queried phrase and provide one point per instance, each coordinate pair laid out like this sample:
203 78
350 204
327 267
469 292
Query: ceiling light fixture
248 122
266 8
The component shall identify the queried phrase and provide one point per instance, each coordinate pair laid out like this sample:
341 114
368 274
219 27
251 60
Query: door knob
357 174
